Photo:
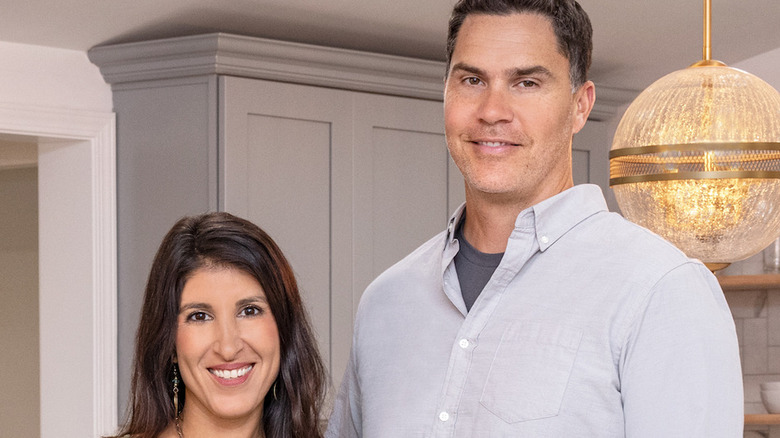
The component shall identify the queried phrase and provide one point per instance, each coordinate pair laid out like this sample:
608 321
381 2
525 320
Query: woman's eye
251 311
198 316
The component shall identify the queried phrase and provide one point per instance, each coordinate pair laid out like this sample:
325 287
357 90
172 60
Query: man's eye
473 80
527 84
198 316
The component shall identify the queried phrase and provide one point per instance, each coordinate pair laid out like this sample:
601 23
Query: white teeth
230 374
492 144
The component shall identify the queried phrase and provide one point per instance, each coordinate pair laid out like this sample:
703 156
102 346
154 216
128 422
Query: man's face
509 108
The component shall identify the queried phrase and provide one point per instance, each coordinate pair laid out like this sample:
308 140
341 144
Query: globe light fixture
696 159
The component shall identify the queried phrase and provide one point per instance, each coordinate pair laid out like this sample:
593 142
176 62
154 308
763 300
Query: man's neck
489 224
490 218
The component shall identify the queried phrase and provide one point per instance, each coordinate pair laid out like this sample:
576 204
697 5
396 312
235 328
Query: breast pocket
530 371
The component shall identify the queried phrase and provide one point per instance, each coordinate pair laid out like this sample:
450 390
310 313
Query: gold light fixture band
693 147
723 174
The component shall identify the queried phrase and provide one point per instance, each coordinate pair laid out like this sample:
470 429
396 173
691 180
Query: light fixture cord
707 30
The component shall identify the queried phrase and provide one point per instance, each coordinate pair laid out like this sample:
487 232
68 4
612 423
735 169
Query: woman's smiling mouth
231 374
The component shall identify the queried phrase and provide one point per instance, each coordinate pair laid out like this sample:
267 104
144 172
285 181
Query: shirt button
544 239
444 416
464 343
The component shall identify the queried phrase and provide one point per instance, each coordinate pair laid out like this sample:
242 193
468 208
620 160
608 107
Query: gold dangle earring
275 398
175 391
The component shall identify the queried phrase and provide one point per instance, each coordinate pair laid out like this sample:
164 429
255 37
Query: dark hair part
570 23
223 240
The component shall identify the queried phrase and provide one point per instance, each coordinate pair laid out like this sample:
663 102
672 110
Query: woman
224 347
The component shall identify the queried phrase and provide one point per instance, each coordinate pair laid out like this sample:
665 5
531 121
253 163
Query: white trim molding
88 142
611 102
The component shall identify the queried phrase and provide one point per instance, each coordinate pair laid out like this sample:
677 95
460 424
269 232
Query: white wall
52 78
19 363
766 66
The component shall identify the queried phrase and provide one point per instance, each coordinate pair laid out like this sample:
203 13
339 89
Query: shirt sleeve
345 421
680 371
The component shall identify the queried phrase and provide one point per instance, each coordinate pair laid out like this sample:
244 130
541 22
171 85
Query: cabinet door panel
288 195
581 166
402 188
408 193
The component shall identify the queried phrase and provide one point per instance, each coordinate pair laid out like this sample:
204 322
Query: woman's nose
228 343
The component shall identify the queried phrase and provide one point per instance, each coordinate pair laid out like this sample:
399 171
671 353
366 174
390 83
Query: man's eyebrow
536 70
462 66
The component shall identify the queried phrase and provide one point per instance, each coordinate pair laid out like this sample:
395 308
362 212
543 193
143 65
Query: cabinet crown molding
258 58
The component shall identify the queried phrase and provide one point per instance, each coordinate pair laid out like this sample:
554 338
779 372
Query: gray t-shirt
474 268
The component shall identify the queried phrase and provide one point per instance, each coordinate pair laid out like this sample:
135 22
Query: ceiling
635 41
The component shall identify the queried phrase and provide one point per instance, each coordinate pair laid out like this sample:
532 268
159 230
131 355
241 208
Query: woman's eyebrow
195 306
252 300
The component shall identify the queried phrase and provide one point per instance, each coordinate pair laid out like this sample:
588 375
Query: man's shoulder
415 271
418 262
617 243
618 231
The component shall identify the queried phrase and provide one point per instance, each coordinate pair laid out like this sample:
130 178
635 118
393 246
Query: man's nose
496 106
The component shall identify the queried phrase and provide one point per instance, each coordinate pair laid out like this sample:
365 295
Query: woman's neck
195 423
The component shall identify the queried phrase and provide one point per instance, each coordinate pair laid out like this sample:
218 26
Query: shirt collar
554 216
454 221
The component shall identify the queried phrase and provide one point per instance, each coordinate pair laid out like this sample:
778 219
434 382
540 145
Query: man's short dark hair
570 23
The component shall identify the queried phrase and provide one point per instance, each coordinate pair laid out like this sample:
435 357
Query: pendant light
696 159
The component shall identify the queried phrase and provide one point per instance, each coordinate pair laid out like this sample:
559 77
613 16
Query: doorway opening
76 255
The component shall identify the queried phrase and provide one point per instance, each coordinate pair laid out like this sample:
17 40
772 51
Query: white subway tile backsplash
754 434
739 327
773 317
755 332
747 304
773 360
754 360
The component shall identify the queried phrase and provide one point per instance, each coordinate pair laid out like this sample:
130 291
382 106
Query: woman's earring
275 398
176 390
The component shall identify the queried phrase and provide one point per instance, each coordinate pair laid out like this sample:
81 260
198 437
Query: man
537 313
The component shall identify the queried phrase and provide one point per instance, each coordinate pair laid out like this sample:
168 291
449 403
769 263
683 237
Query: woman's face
227 345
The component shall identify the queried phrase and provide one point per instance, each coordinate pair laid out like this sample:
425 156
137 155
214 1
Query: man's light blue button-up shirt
590 327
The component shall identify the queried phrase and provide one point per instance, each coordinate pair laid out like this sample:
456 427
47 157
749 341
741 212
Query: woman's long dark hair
221 239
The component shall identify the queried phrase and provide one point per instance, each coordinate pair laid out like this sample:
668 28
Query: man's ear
584 99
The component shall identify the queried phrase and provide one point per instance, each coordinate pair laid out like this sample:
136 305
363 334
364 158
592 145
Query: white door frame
77 265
